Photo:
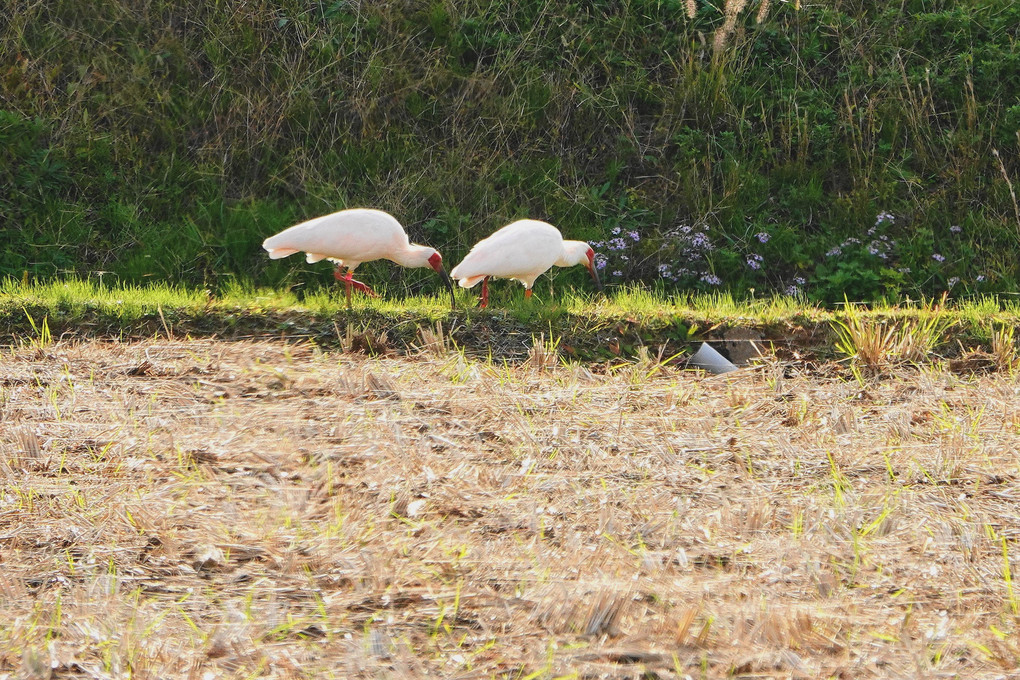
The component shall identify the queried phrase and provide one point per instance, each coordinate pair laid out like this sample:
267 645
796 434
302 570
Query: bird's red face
436 262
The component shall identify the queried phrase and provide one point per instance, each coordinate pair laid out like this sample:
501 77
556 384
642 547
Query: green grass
151 146
588 325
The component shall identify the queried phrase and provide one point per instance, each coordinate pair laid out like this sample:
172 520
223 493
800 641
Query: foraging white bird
350 237
522 250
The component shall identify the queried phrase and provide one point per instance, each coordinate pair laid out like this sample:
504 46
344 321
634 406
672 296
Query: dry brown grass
198 509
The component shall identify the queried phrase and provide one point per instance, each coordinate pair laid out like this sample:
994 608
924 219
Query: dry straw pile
208 509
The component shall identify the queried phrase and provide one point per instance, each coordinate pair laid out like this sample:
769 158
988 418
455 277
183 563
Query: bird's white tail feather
277 253
470 281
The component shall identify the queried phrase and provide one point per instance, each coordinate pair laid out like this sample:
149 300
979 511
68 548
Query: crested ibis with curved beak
522 250
350 237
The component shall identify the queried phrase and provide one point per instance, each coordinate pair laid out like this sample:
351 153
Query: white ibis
350 237
522 250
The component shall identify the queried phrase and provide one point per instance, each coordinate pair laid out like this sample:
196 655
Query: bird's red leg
358 285
350 282
527 292
485 293
347 282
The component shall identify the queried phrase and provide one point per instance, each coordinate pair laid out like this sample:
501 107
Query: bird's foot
358 285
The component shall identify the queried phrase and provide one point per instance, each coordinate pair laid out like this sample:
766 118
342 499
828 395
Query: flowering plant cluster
689 249
756 267
877 245
617 257
860 268
880 261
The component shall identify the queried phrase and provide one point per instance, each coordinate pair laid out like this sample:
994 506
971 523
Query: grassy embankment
165 140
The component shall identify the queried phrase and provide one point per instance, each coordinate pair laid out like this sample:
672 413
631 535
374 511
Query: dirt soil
205 509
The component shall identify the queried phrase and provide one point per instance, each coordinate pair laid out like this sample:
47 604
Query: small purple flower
938 257
617 272
904 270
617 244
663 270
873 249
700 240
616 230
955 229
763 237
792 290
834 252
980 278
711 279
600 261
953 281
799 280
884 217
754 261
634 236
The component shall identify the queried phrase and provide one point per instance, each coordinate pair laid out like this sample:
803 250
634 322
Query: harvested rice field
208 509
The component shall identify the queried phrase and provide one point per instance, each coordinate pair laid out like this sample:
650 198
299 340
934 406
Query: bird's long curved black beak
594 272
449 284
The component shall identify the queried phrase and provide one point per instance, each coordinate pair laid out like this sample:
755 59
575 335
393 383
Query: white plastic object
708 359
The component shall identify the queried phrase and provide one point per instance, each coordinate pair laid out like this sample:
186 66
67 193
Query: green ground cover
828 148
627 322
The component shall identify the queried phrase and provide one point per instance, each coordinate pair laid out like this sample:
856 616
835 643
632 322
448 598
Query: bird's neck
574 252
412 255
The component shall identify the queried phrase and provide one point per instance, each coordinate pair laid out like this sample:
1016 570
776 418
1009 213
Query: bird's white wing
521 250
357 235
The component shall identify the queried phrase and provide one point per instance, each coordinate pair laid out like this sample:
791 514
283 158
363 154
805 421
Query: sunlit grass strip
75 297
566 310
